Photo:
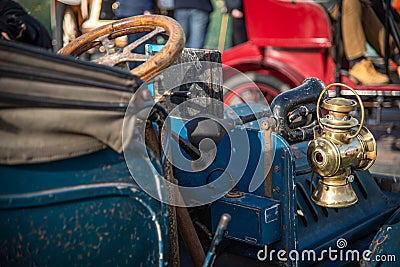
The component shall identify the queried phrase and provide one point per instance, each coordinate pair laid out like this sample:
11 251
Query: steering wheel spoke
144 39
136 57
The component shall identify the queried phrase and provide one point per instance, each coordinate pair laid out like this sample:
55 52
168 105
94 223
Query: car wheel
240 88
66 26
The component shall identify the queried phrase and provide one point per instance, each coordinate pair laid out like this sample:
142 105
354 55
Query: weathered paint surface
83 212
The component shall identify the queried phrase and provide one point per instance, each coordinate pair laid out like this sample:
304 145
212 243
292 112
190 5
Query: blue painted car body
88 210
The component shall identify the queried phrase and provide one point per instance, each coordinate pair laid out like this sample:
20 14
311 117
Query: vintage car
289 41
101 165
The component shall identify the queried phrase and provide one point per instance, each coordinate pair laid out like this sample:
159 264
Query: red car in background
289 41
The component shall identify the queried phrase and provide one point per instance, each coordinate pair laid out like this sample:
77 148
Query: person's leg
182 17
374 30
198 28
239 34
375 33
354 44
138 50
352 30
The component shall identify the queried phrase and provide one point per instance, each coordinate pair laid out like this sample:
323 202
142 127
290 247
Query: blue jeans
194 23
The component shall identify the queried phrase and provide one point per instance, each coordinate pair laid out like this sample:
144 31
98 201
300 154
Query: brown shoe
365 72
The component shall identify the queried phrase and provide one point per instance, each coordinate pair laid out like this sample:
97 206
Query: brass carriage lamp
341 144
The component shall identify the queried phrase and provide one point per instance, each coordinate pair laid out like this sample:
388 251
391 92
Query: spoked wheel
154 25
252 88
67 28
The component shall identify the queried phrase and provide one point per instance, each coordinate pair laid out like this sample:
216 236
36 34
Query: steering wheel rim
143 23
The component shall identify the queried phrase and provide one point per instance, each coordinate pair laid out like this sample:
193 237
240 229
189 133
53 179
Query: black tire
241 88
61 37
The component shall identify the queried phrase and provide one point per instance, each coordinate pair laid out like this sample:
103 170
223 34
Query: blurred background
387 133
219 22
39 9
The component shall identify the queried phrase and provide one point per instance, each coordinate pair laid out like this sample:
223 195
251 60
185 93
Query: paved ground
387 135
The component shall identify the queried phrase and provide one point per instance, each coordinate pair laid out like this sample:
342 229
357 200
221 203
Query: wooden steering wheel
153 24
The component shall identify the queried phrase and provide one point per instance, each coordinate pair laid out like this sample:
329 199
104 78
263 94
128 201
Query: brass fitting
340 144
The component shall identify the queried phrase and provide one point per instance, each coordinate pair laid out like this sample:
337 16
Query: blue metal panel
255 220
303 224
81 211
283 186
385 247
319 227
283 190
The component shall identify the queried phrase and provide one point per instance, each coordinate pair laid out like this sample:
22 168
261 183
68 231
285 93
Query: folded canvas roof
55 107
